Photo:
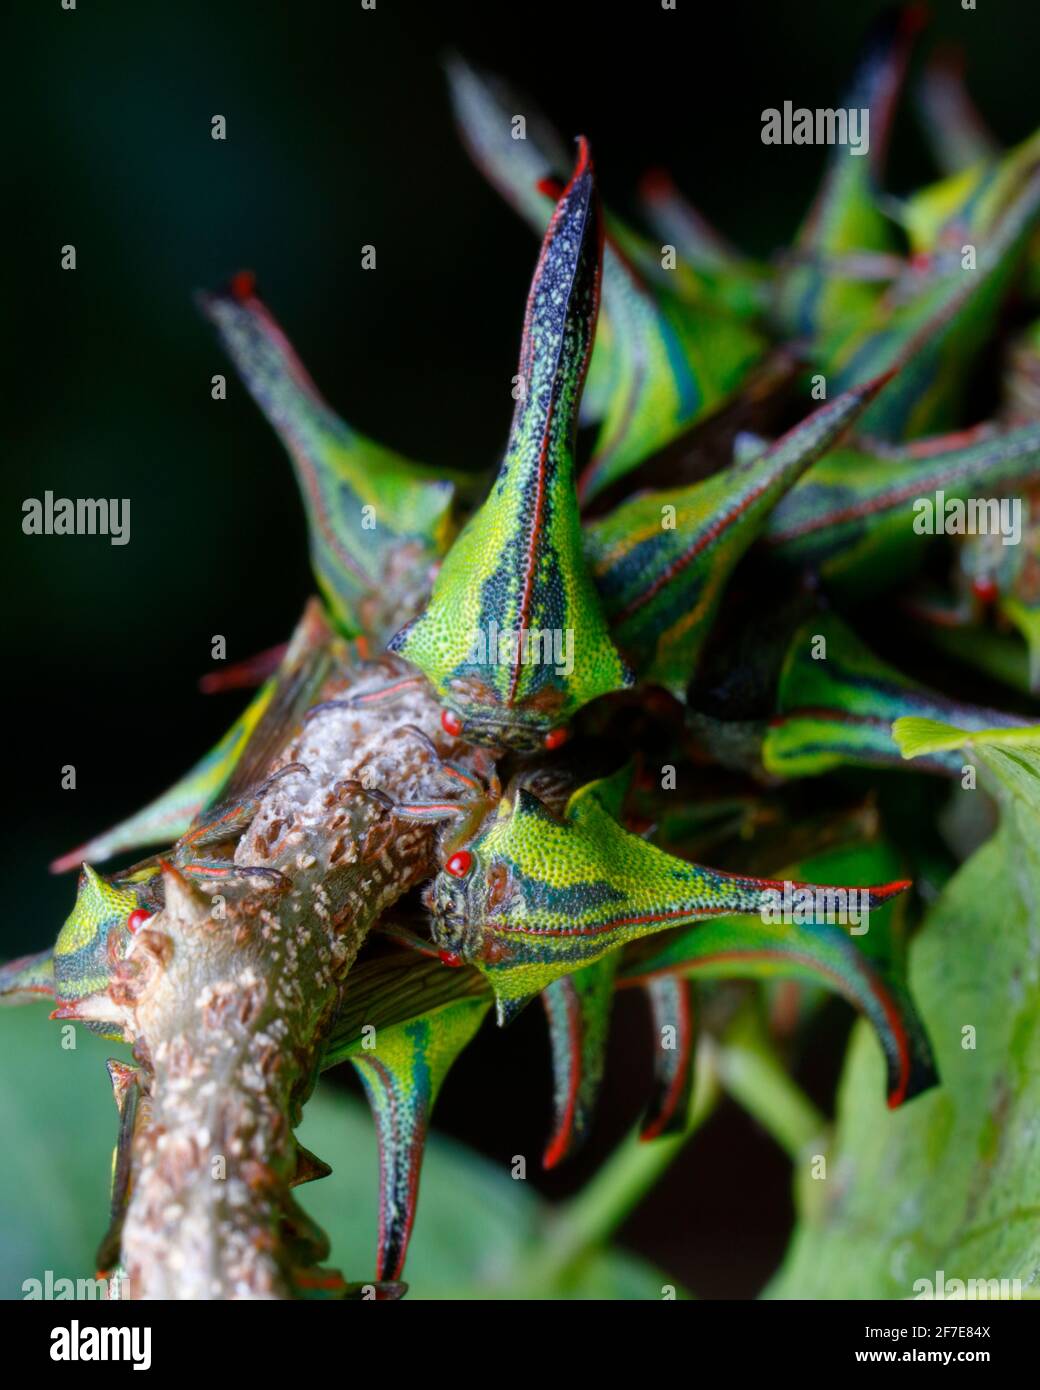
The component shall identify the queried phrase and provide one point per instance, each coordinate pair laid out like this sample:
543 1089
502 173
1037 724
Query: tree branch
230 991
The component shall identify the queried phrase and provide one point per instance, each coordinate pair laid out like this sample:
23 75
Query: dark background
339 134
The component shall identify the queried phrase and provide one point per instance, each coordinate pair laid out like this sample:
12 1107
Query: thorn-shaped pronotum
513 598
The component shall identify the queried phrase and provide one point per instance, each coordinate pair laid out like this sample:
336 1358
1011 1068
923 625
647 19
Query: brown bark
230 991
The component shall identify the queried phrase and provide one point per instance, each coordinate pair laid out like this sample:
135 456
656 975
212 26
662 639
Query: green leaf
59 1126
916 736
951 1182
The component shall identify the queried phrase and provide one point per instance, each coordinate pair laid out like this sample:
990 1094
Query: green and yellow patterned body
837 702
94 939
377 522
672 365
850 519
578 1010
934 318
662 560
402 1024
402 1073
868 970
544 897
670 349
969 203
516 579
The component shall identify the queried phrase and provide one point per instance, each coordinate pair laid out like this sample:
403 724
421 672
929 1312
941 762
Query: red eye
449 958
451 723
459 864
555 738
136 920
243 286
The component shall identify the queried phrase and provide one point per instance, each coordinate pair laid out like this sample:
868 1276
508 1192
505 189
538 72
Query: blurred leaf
59 1126
952 1181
